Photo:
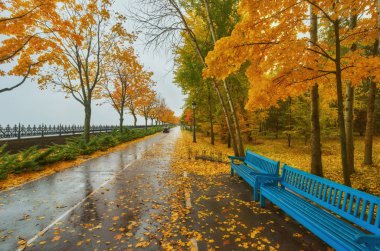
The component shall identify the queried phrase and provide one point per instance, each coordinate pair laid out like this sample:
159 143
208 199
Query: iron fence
21 131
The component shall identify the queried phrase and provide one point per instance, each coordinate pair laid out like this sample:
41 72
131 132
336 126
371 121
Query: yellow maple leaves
23 41
272 37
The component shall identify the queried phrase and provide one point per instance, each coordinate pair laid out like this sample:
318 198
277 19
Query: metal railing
21 131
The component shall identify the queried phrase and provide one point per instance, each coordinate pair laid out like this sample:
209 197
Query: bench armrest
233 158
264 174
262 179
368 239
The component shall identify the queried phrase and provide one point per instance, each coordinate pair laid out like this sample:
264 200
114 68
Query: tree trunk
239 141
235 136
151 121
315 137
277 125
350 92
370 126
146 123
350 127
231 133
290 122
229 141
121 124
342 127
212 137
87 121
134 119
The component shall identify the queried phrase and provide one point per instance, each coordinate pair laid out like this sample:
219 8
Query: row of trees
340 52
244 61
80 47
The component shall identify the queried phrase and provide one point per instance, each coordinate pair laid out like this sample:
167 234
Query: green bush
33 159
6 162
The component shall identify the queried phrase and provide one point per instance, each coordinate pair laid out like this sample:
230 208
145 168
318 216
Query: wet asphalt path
91 196
126 200
223 211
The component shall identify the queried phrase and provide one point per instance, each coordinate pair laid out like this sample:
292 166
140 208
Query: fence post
19 131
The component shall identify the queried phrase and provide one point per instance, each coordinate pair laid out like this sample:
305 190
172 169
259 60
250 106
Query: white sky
29 105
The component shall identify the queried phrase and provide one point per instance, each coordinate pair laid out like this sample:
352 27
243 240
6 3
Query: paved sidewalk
134 200
93 206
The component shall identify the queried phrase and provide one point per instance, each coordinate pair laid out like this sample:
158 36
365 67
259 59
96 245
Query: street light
194 105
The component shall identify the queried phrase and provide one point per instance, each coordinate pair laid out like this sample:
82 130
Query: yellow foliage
273 38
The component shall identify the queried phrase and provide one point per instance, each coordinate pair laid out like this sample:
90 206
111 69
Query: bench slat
319 204
362 214
321 222
316 212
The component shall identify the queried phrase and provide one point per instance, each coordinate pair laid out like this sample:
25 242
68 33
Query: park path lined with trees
137 198
83 49
286 68
290 67
294 80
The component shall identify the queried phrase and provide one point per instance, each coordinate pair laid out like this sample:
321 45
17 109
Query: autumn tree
188 76
24 43
122 71
83 34
159 110
343 35
286 64
370 124
135 92
315 140
187 117
165 21
146 104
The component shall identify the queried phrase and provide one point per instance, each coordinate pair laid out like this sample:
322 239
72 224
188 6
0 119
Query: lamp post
193 105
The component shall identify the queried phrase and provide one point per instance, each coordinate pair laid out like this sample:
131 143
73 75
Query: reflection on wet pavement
28 209
134 199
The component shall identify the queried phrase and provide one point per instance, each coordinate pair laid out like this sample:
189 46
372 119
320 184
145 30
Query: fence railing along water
21 131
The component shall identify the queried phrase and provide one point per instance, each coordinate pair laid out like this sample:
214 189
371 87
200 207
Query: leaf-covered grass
33 159
366 178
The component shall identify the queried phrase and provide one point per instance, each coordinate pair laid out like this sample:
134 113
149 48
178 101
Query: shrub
33 159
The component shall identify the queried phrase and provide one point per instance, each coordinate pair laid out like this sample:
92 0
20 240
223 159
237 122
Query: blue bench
254 165
343 217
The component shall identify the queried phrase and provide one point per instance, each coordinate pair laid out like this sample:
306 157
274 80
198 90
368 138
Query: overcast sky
29 105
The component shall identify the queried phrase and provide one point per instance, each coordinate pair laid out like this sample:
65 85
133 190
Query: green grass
33 159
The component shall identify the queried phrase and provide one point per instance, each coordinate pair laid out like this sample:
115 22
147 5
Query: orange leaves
128 85
273 37
187 116
56 238
20 26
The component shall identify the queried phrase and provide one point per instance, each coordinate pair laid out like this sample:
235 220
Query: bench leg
262 201
256 195
232 172
256 191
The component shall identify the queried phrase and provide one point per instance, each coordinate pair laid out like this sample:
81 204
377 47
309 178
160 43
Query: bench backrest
361 208
263 164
